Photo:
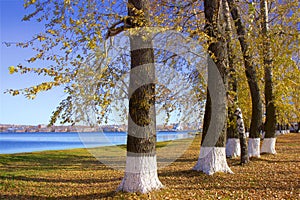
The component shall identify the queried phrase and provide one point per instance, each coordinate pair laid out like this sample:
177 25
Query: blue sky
18 109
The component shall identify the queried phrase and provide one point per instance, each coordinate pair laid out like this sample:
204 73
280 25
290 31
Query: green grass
158 145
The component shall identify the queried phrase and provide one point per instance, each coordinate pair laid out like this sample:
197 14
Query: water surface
31 142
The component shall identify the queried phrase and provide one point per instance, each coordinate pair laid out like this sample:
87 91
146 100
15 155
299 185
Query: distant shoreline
158 131
78 128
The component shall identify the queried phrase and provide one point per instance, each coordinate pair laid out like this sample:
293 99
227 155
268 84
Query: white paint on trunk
247 134
233 147
140 175
254 147
277 133
212 160
268 146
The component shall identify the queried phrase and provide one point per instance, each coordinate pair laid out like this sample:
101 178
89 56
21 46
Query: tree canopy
75 46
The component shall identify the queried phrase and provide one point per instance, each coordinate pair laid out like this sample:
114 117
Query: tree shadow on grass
49 180
49 161
42 159
184 173
187 160
77 197
256 188
279 161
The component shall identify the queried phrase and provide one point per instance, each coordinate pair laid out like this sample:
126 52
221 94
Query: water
30 142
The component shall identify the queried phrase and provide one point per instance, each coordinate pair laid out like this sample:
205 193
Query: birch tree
256 119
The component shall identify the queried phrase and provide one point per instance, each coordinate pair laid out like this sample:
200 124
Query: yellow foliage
41 38
92 44
66 44
53 32
15 92
11 69
79 29
32 59
67 2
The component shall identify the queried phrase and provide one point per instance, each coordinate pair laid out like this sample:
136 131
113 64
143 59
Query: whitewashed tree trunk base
140 175
254 147
233 147
212 160
268 146
247 134
277 133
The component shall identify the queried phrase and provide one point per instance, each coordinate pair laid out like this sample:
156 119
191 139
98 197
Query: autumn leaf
11 69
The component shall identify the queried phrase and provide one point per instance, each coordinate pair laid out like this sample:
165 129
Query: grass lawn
76 174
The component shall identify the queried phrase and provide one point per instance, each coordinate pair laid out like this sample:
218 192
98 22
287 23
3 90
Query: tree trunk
242 136
212 156
233 142
268 145
207 116
256 118
141 165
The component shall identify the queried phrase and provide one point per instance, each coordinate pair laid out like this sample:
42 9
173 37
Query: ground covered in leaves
75 174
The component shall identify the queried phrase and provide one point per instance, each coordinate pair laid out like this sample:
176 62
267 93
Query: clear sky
18 109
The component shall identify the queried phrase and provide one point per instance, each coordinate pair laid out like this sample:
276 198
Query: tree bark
141 165
217 49
207 116
270 124
233 142
212 156
256 118
269 142
242 136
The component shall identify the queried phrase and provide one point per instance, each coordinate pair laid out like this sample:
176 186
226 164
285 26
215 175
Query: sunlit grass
76 174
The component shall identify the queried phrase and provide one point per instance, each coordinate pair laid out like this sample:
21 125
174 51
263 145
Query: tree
141 166
212 156
74 46
76 30
270 123
233 142
73 50
242 136
247 28
256 119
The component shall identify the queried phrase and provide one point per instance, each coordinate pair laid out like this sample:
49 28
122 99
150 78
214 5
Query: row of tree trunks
256 118
236 144
141 166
